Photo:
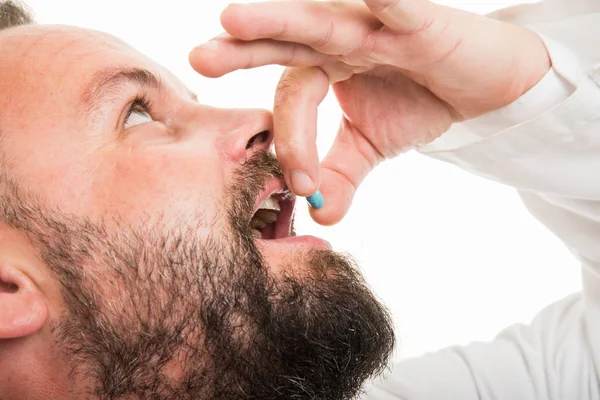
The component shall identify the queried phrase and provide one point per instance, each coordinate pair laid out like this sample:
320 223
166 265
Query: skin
96 168
412 54
127 266
402 71
87 165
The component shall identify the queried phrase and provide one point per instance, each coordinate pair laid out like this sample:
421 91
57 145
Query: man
146 248
144 254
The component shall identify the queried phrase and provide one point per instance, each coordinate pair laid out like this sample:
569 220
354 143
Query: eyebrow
109 81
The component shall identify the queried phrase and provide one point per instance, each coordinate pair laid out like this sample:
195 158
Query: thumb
348 162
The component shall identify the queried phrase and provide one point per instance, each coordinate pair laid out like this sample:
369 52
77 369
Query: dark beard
159 313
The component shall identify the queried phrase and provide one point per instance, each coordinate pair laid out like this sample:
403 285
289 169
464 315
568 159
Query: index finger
297 98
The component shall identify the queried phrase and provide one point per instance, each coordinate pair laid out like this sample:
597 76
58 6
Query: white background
455 257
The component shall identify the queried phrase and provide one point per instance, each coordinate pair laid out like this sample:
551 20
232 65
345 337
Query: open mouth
273 216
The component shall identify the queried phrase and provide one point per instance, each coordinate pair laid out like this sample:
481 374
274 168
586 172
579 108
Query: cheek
50 163
175 185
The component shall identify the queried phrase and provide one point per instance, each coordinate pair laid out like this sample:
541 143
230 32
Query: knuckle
337 72
283 29
249 62
425 25
325 39
293 54
338 5
381 6
288 87
369 49
327 13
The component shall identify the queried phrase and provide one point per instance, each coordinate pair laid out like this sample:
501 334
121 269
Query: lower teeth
257 223
256 233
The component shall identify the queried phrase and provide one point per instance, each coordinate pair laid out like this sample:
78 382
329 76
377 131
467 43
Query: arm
542 361
404 84
547 145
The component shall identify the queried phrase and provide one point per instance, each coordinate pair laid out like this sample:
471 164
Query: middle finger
335 28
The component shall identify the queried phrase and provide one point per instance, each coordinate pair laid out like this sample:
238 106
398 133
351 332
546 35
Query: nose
249 131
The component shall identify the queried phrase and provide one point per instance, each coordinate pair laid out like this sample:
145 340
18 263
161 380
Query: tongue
268 232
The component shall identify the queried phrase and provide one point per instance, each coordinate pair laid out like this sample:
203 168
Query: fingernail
212 45
301 183
316 200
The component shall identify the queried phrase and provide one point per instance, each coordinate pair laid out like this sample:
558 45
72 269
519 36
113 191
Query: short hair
14 13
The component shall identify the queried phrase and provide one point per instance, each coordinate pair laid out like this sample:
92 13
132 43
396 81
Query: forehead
51 63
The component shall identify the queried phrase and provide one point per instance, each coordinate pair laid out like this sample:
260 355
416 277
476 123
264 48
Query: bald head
13 14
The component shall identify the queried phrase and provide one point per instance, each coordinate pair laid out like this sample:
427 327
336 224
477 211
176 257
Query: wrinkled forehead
51 65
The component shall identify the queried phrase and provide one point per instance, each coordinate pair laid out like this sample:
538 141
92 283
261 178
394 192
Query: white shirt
547 146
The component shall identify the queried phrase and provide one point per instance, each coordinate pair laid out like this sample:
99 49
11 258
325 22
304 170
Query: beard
157 312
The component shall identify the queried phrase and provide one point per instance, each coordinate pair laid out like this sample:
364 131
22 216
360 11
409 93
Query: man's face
164 278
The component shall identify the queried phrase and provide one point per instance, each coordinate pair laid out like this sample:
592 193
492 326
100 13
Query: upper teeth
266 214
270 204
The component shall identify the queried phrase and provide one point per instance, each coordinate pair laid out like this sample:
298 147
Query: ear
23 307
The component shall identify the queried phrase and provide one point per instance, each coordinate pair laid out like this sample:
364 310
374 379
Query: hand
402 70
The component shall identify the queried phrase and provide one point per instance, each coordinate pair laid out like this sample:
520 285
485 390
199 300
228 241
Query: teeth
267 216
256 233
270 204
257 223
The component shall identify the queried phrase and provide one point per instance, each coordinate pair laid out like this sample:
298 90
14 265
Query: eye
139 113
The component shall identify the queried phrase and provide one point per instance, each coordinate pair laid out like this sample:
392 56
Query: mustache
261 163
249 180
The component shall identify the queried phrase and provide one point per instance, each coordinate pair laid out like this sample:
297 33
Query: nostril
259 137
8 287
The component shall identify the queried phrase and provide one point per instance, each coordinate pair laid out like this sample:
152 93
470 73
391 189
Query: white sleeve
546 360
547 146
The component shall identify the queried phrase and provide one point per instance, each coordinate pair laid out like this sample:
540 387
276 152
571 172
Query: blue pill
316 200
